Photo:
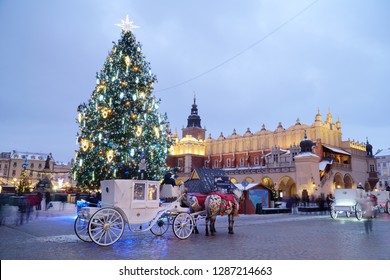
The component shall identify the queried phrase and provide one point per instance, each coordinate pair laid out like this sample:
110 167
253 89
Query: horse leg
196 231
212 225
207 226
231 223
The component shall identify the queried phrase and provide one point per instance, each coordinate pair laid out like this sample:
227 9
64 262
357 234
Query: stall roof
249 186
336 150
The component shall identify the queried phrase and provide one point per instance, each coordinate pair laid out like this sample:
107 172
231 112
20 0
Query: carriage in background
382 201
351 201
137 204
347 201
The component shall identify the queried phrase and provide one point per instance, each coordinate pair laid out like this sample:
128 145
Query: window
13 172
216 163
242 162
372 168
180 164
152 195
32 165
15 164
293 155
257 161
40 166
228 162
139 191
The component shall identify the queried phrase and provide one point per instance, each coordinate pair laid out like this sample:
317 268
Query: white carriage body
139 200
345 199
136 203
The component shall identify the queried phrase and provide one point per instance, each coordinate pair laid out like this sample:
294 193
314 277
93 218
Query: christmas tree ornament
84 144
127 60
127 25
80 117
110 155
138 131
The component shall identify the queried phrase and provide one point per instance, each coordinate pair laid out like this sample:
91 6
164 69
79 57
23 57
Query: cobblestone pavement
50 236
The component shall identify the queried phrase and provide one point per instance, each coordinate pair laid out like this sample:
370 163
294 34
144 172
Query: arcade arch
348 181
267 182
287 187
338 181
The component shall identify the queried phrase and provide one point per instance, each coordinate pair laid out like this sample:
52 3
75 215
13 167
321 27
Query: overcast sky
249 63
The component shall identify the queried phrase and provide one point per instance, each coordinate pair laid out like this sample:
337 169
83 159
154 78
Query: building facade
276 159
383 166
37 166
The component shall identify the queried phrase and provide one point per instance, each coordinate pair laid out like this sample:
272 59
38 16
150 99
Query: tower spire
194 127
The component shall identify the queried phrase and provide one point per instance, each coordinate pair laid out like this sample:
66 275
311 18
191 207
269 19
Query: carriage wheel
161 226
106 226
387 207
183 225
81 229
358 211
333 212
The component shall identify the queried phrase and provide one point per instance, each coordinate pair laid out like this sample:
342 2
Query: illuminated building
13 163
289 160
383 166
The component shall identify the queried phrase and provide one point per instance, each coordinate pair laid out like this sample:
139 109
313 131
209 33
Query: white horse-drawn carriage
383 201
352 202
137 204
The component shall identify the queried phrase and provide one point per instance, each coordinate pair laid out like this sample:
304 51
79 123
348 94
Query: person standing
39 198
47 200
368 214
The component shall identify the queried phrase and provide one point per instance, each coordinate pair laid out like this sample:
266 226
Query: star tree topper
127 25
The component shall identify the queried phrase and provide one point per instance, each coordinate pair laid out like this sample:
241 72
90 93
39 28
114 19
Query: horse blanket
198 203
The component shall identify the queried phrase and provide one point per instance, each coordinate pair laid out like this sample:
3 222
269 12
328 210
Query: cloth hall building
303 158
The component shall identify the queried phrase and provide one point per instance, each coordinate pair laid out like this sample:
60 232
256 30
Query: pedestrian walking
368 214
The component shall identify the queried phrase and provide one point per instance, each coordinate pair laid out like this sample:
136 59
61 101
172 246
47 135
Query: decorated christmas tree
122 134
23 183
